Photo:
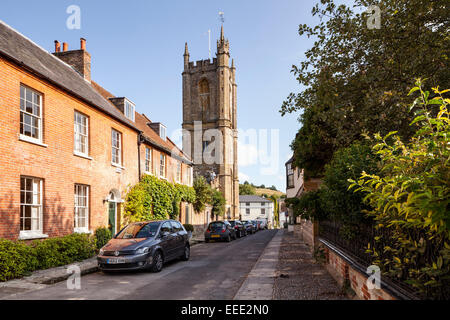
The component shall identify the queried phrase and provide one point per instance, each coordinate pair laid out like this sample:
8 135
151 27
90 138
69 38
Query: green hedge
102 236
18 258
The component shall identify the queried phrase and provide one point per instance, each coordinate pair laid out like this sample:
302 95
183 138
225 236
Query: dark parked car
145 245
239 227
220 230
249 226
255 225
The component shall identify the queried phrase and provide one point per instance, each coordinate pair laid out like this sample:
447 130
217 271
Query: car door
178 234
168 241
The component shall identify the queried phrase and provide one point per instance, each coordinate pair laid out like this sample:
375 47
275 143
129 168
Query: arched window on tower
203 91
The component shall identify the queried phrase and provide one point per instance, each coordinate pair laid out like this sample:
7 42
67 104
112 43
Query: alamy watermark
74 280
374 280
374 19
73 22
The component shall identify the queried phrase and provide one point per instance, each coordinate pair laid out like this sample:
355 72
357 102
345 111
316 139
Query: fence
353 240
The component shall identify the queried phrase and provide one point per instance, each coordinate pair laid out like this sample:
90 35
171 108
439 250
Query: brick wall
56 163
341 271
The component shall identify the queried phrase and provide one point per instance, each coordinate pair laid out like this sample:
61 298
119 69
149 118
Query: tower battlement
209 98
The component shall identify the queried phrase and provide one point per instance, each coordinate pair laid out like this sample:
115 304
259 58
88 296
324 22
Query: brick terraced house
69 149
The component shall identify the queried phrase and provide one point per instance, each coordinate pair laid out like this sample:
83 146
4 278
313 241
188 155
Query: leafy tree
246 189
203 193
410 202
348 163
354 77
218 203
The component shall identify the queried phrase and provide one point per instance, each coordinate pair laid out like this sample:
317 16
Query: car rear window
216 225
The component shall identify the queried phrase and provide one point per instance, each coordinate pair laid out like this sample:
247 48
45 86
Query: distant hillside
269 192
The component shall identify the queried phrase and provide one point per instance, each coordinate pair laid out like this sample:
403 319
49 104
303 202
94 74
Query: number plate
215 236
115 261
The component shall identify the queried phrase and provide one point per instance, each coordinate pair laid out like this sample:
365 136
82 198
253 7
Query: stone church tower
209 121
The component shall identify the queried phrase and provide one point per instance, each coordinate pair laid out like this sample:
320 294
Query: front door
112 217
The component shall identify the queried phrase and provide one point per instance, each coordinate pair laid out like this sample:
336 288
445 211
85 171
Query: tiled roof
29 55
252 198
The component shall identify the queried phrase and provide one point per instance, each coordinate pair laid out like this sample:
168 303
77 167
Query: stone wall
308 232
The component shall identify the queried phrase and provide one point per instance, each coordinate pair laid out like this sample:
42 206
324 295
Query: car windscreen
216 225
139 230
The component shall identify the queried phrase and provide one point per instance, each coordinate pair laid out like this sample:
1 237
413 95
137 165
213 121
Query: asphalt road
214 271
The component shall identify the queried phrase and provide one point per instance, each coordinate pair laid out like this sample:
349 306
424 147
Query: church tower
209 121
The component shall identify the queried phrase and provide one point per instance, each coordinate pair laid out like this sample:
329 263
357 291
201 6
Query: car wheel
157 262
229 238
206 240
187 253
234 236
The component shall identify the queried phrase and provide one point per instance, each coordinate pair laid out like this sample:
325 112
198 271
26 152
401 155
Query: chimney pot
57 46
83 43
65 47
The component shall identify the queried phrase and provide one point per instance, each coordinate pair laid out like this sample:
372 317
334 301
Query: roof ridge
41 48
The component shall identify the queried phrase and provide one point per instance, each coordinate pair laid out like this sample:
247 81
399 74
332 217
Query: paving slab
260 281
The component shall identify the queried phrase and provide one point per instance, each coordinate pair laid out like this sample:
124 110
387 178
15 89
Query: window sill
163 178
32 235
82 230
32 140
148 173
117 165
81 155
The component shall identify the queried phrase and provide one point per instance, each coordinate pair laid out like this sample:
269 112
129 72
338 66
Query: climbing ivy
155 199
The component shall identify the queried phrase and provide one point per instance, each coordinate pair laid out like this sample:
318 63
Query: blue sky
137 51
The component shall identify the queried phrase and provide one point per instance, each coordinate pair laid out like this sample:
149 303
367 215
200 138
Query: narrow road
215 271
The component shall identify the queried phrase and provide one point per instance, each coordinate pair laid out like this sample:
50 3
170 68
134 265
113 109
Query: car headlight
142 250
101 252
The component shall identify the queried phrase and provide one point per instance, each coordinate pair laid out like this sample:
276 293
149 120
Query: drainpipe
140 139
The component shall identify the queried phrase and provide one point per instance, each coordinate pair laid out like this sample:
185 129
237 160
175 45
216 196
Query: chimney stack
83 43
79 60
57 46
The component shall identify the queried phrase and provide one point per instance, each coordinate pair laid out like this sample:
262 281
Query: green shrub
189 227
18 259
60 251
102 236
411 200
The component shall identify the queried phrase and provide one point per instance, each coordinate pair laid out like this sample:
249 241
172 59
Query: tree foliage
354 77
411 199
246 189
218 203
203 193
156 199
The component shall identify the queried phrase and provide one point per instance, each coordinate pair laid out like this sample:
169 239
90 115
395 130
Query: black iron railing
353 239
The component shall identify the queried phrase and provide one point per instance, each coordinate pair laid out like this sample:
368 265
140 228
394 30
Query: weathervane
222 19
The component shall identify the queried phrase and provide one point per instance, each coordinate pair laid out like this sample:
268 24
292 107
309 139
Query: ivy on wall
155 199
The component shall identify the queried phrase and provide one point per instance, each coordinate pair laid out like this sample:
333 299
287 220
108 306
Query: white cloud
243 177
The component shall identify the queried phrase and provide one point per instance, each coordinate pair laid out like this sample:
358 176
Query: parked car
145 245
220 230
249 226
239 227
262 224
255 225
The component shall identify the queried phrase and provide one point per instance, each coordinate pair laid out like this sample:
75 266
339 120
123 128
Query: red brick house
68 153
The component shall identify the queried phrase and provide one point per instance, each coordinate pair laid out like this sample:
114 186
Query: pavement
260 281
300 277
215 271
